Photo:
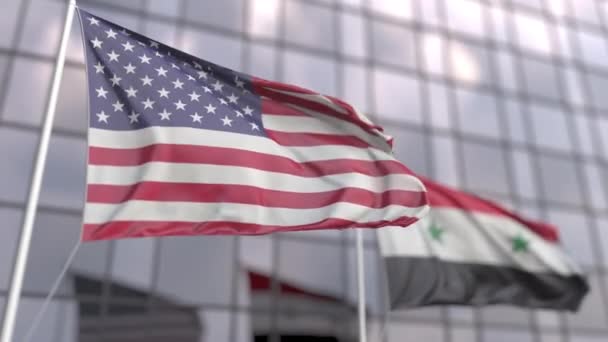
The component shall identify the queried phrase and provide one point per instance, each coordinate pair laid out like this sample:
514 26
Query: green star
519 244
436 232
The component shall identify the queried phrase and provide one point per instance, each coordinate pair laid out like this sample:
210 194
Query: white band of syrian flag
467 256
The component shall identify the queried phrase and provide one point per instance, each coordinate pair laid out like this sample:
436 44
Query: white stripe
136 210
488 242
317 98
194 136
218 174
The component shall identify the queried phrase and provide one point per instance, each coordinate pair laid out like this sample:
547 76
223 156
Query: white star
101 92
226 121
93 21
232 98
130 68
194 96
128 46
146 80
207 90
148 103
102 116
153 44
161 71
217 86
190 78
222 101
238 82
163 93
196 118
178 84
141 44
201 74
158 54
115 80
118 106
123 31
133 117
248 111
210 108
96 43
145 59
131 92
238 114
98 68
180 105
111 33
164 115
254 127
174 66
196 65
113 56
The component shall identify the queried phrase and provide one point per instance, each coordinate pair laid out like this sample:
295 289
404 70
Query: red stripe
443 196
230 193
124 229
278 108
315 139
236 157
260 282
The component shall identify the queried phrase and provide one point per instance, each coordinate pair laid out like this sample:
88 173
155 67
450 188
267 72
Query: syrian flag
471 251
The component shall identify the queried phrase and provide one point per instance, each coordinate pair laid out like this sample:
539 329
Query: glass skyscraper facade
504 98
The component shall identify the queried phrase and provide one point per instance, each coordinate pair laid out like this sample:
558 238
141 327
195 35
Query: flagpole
18 273
361 287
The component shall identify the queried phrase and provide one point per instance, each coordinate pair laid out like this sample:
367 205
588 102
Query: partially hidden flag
471 251
181 146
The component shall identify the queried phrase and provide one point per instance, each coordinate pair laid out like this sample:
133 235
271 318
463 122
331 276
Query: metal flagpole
361 287
10 312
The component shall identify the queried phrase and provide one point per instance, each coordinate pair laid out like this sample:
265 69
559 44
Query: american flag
182 146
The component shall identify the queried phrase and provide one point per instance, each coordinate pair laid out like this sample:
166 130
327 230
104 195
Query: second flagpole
361 288
18 273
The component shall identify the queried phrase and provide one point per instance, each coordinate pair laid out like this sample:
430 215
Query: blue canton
136 82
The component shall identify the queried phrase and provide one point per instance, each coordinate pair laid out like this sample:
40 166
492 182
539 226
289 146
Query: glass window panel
597 185
430 11
330 234
199 287
565 48
64 177
465 16
17 149
75 49
47 14
400 9
515 121
409 148
559 179
485 168
477 113
461 314
573 85
72 103
354 3
264 18
524 176
58 324
133 262
421 313
8 21
309 25
541 78
28 90
585 10
597 96
217 325
501 31
9 234
393 44
262 61
600 224
355 87
440 112
225 14
536 4
532 33
496 335
557 7
163 7
445 162
163 32
470 64
397 330
397 96
602 130
309 71
582 124
353 35
574 232
433 49
506 67
550 127
214 48
592 313
547 318
3 71
594 49
463 335
501 314
589 338
375 288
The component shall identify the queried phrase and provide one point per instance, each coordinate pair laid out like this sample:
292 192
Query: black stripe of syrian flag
471 251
